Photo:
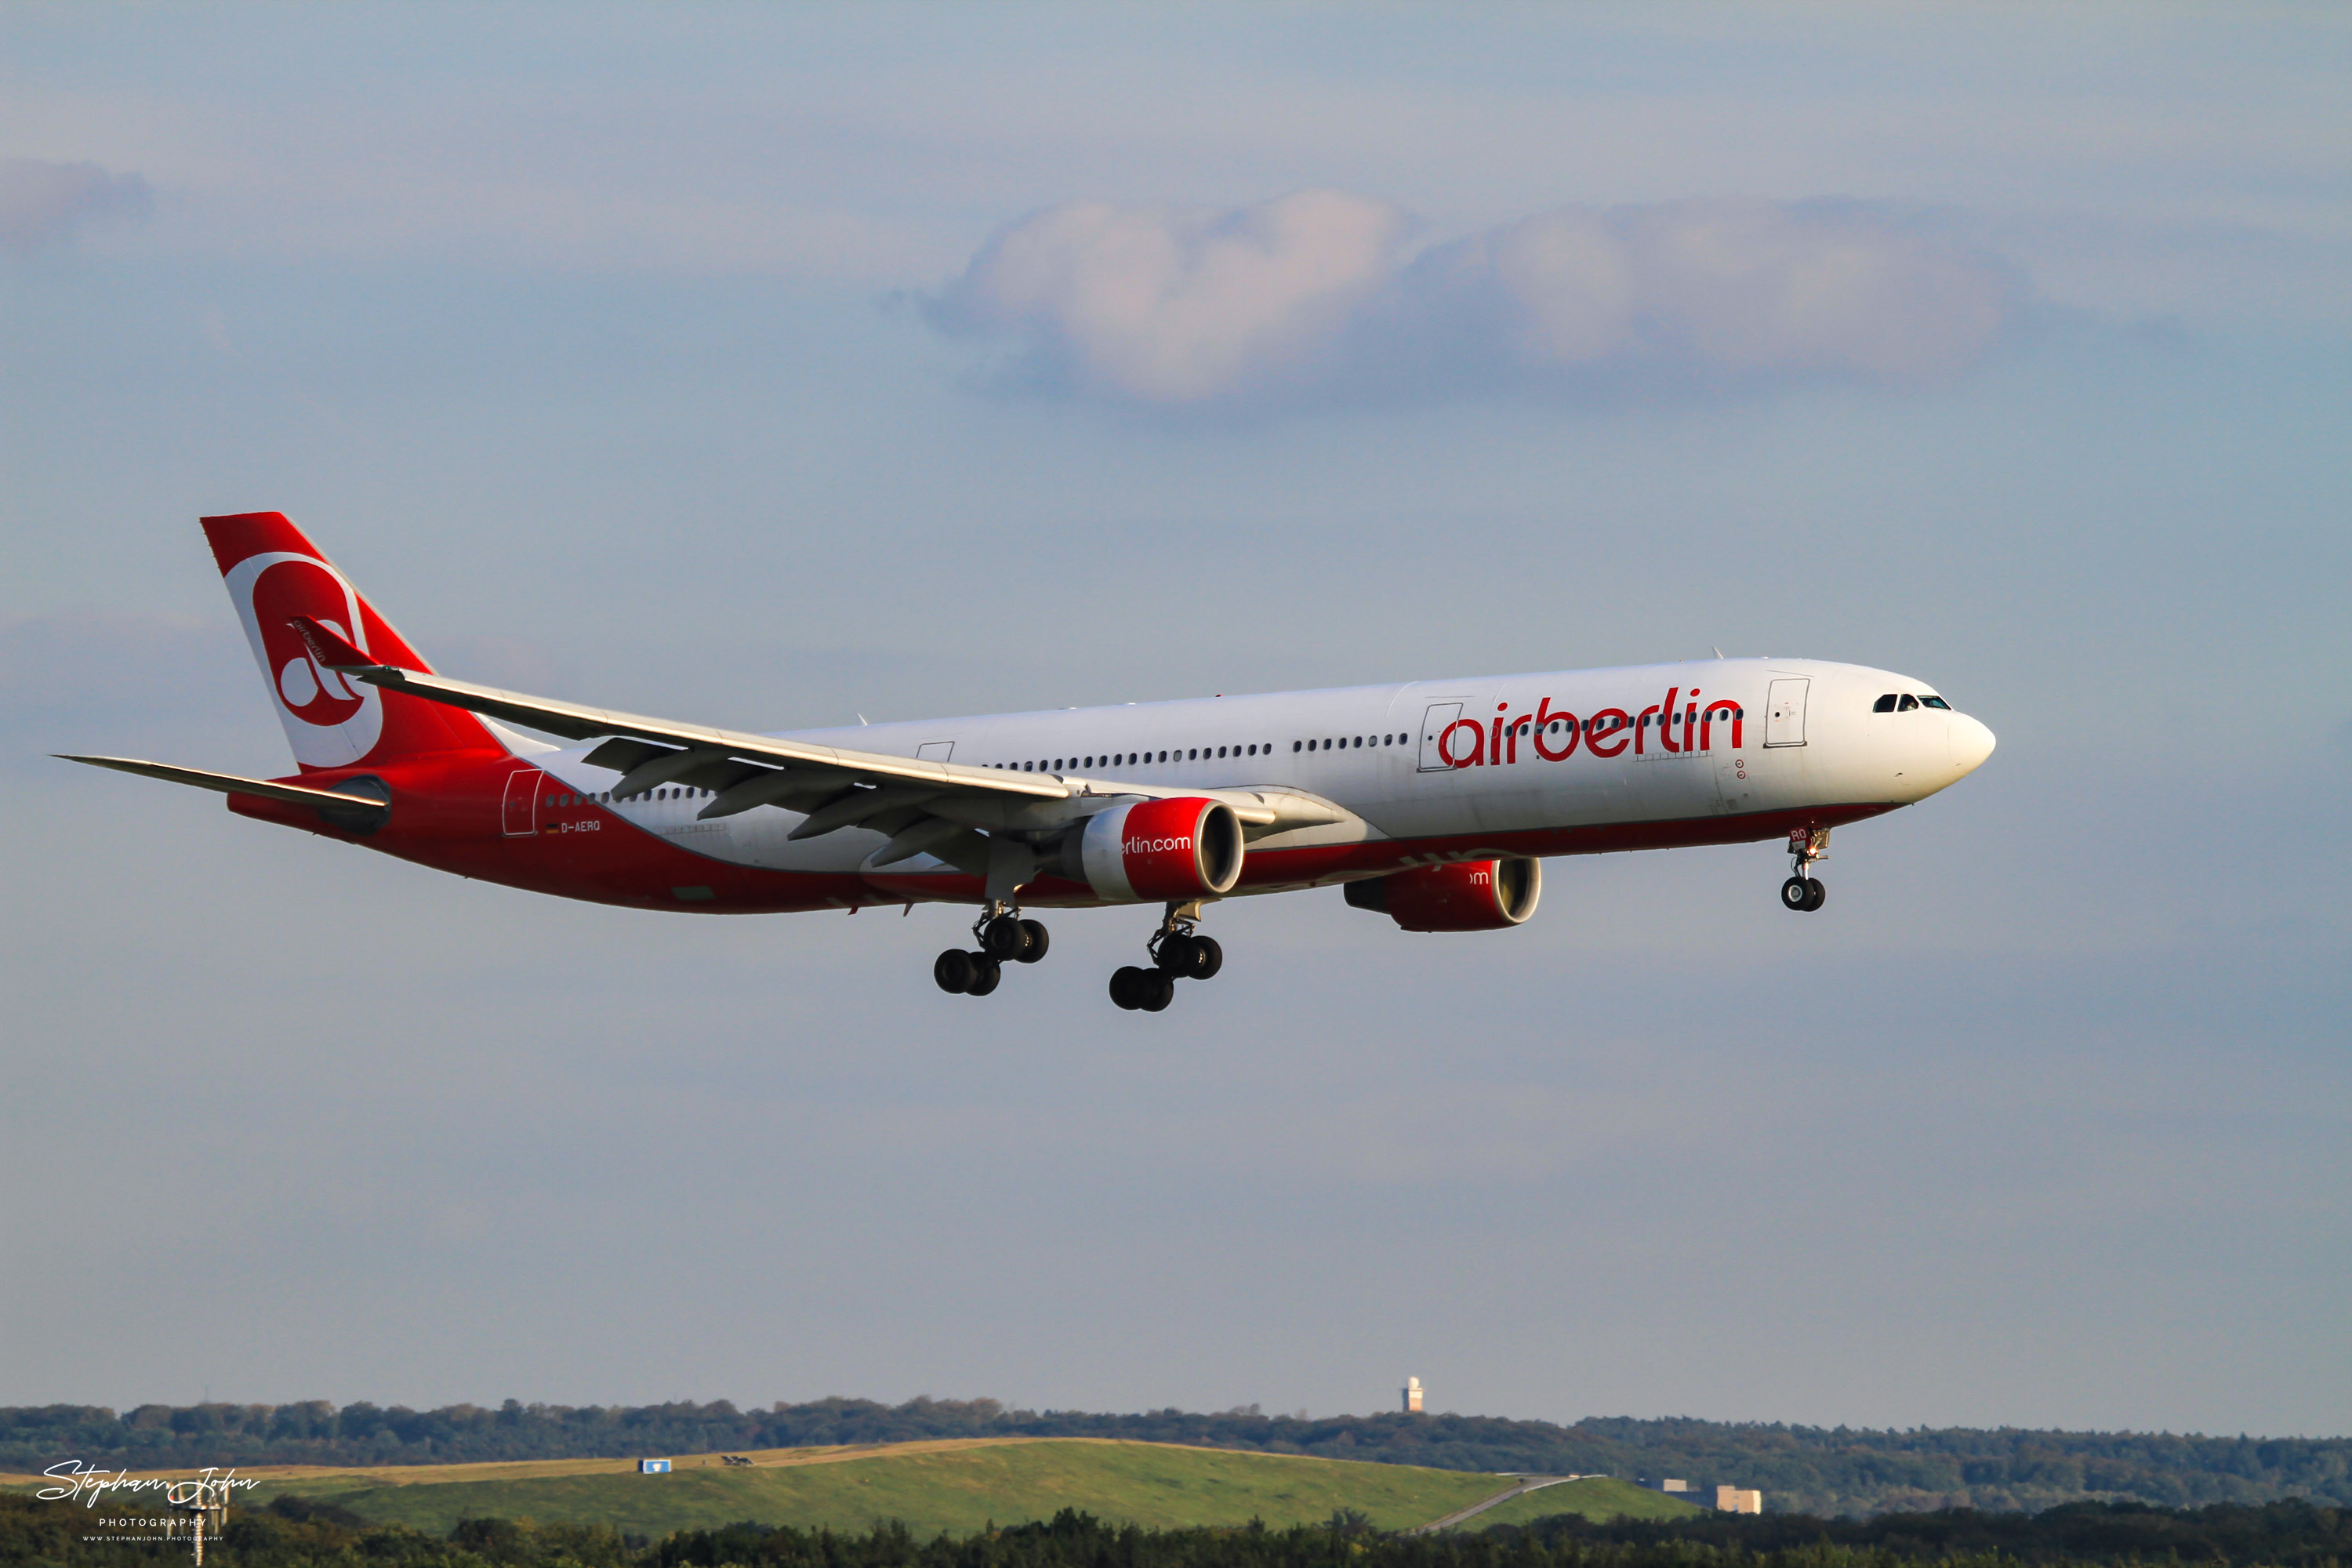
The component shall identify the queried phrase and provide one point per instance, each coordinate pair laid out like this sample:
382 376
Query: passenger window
1934 702
1885 704
1908 705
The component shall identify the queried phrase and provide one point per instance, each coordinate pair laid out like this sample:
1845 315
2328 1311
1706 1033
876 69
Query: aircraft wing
939 808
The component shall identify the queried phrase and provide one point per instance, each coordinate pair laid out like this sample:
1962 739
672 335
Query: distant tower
1413 1397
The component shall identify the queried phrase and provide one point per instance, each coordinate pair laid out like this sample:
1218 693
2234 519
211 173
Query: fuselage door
1784 712
1441 716
519 818
935 751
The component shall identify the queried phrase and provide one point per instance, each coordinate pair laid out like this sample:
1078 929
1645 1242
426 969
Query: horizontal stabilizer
230 784
331 650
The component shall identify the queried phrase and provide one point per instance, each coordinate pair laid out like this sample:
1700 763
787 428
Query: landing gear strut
1803 892
1003 937
1178 953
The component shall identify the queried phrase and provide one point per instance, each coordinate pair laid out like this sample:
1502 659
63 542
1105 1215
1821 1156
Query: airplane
1434 801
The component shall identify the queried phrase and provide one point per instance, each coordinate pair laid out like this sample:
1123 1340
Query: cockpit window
1936 702
1908 704
1885 704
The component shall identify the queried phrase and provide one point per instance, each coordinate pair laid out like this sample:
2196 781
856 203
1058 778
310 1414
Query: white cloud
1177 305
1311 295
44 204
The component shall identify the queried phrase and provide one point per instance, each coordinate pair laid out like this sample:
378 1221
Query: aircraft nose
1970 742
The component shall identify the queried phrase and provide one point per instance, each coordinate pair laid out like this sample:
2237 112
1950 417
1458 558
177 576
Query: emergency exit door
1441 716
521 817
1784 712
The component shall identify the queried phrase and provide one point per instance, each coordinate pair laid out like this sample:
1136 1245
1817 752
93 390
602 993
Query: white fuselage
1457 766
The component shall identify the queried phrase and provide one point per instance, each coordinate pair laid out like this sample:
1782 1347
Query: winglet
332 651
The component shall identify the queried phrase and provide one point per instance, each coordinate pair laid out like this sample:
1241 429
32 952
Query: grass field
931 1487
1597 1497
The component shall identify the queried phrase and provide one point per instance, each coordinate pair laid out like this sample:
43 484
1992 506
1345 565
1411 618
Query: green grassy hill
1596 1498
959 1490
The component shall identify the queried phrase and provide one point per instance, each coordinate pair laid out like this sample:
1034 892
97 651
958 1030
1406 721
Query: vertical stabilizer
273 574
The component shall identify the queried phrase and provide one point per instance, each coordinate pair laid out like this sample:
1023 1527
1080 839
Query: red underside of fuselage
446 814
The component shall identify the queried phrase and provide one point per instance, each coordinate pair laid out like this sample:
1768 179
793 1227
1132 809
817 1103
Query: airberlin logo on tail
330 721
311 693
1679 725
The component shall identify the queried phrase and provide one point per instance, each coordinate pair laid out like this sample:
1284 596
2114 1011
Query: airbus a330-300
1433 802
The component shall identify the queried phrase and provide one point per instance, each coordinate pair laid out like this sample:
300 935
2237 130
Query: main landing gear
1178 953
1004 937
1804 892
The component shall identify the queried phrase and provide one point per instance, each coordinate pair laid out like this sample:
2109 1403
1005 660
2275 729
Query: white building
1413 1397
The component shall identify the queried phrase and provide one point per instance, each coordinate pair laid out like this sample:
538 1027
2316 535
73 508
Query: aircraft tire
1004 939
1127 987
953 970
1796 894
1039 940
1175 954
1817 893
987 975
1208 957
1160 989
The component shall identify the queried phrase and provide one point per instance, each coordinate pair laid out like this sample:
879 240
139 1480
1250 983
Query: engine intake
1189 847
1468 895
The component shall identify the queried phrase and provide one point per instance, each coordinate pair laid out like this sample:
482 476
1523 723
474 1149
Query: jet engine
1184 848
1468 895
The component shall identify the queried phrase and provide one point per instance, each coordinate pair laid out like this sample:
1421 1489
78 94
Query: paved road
1526 1484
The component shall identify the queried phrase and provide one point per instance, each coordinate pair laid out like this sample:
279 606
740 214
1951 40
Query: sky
775 365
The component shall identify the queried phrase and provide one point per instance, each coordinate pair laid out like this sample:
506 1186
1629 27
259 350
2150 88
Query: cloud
44 204
1177 305
1311 296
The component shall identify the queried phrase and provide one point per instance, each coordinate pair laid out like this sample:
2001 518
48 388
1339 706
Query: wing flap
579 723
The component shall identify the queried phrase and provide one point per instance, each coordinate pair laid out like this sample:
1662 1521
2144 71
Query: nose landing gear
1004 937
1178 953
1803 892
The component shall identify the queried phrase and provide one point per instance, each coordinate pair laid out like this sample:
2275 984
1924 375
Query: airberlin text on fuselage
1604 734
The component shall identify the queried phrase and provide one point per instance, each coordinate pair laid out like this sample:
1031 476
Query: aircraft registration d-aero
1433 802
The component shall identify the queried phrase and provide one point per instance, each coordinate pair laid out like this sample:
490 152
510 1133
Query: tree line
1810 1470
294 1533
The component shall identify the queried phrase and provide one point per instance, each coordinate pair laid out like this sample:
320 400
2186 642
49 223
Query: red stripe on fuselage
446 813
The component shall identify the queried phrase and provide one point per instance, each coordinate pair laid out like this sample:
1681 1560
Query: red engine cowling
1184 848
1469 895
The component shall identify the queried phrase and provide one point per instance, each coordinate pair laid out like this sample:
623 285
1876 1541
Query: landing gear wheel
1207 958
1797 893
1038 941
986 975
1176 953
1817 893
1127 985
1159 990
953 970
1005 938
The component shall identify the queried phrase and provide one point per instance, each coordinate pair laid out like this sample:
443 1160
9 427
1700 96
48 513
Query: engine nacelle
1469 895
1154 849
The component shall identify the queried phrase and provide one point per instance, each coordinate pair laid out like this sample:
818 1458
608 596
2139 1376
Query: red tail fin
274 574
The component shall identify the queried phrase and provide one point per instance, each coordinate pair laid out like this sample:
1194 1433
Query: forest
1800 1469
292 1534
